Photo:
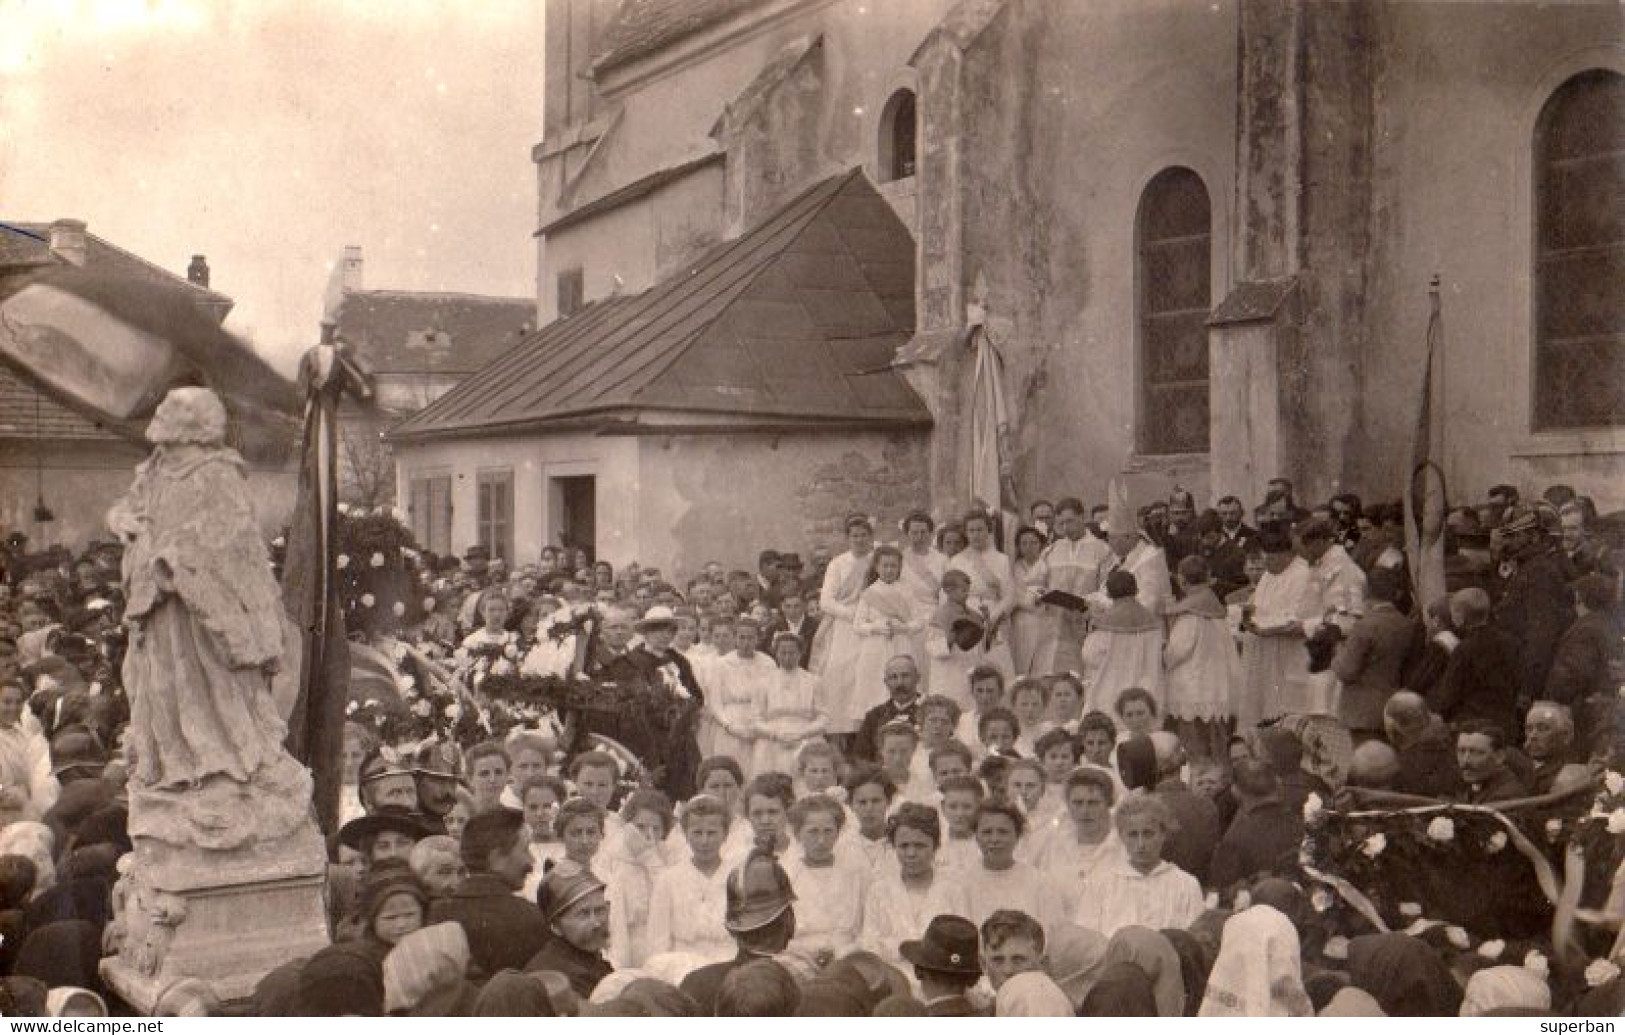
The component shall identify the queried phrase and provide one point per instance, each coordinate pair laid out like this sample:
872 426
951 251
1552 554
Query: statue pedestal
224 917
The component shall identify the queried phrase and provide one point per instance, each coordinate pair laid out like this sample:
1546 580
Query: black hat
950 946
356 832
967 633
790 561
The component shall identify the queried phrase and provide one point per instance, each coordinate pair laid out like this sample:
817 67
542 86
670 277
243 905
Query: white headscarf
1032 994
1259 972
1496 988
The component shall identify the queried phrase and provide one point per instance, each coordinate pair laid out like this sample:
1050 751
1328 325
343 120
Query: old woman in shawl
1259 970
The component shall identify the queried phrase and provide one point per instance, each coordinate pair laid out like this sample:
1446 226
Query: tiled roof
31 247
642 27
419 332
797 319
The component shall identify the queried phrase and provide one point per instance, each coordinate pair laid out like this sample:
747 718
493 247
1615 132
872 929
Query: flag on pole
1425 498
310 591
991 480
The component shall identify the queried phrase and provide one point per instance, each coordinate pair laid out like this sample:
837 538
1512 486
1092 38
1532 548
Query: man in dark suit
769 572
1481 679
1231 527
793 618
947 962
903 683
1370 660
504 931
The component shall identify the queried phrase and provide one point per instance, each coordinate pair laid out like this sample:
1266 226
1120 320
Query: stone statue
217 805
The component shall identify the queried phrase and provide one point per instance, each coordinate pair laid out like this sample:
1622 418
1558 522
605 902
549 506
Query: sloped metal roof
797 319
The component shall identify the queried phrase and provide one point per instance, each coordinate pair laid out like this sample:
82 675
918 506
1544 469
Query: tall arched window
898 134
1174 232
1580 254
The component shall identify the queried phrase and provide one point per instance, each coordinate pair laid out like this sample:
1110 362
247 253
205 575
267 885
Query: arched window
897 136
1580 254
1174 232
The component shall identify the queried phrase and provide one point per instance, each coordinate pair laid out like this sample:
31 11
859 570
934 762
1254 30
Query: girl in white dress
923 564
739 679
629 870
993 586
838 604
886 623
786 714
830 886
1002 881
689 900
903 899
1033 626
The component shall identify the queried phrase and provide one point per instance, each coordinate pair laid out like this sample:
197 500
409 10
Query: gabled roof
797 320
642 27
424 332
28 244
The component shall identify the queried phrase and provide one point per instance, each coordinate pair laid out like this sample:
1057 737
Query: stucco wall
84 479
1459 87
678 501
1067 111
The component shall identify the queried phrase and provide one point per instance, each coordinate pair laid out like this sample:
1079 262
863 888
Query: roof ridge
91 234
399 292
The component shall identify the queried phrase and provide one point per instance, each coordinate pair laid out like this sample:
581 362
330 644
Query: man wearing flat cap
576 908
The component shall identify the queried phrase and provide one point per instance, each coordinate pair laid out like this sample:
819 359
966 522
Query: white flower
1410 909
342 562
1600 972
1211 901
1497 841
405 683
1536 963
1614 782
422 708
344 508
367 600
1244 900
1457 937
451 711
1336 948
1554 827
428 605
510 651
1616 821
397 609
1442 829
502 667
1321 899
352 707
1312 808
1374 845
377 559
1492 950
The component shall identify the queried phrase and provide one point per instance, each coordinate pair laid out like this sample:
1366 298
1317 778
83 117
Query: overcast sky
269 134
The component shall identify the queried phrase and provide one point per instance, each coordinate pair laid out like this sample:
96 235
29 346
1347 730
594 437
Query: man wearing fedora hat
762 918
947 962
672 753
576 908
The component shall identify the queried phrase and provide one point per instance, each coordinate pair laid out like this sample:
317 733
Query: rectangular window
430 511
495 513
572 291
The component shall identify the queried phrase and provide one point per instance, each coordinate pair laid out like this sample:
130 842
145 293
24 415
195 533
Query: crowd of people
920 777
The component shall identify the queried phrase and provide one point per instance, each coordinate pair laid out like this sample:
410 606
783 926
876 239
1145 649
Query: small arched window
1580 254
1174 235
898 136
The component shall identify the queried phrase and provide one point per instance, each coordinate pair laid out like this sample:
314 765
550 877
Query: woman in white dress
1002 881
786 715
689 901
1033 626
738 680
993 586
902 900
887 624
844 580
27 787
629 869
923 564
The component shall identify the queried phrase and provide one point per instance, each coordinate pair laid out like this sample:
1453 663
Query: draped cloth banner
991 479
1425 499
310 592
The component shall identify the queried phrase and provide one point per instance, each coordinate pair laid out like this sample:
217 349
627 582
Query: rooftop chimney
351 277
198 271
68 240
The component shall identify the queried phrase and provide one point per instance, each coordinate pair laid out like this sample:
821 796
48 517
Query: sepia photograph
812 508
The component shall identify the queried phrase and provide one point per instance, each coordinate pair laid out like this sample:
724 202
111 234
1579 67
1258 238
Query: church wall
1458 89
1068 110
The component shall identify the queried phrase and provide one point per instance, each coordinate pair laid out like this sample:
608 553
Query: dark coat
865 749
1481 681
1263 839
1535 608
702 985
1369 663
953 1006
504 932
1503 786
1190 846
670 752
1428 767
583 969
1585 661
